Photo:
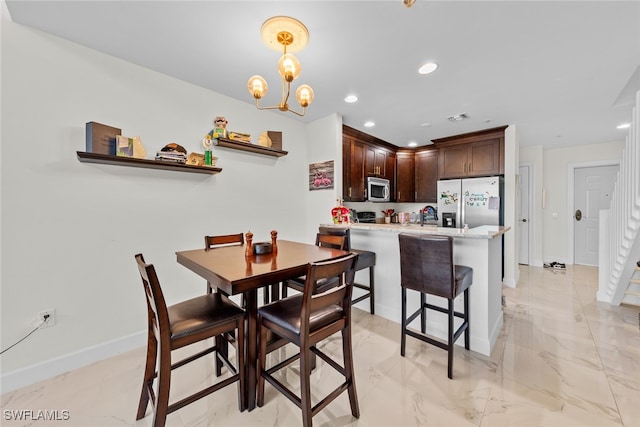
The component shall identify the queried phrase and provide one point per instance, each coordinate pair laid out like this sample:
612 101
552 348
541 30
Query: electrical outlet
48 317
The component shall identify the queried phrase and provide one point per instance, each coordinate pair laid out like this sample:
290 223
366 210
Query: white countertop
482 232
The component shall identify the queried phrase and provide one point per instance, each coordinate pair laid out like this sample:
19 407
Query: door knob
578 215
524 220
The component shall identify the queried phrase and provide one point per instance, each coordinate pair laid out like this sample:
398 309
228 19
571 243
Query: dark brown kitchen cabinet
405 173
390 173
426 174
353 176
364 155
471 155
379 162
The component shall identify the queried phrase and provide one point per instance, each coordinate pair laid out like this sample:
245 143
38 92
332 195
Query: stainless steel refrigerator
471 201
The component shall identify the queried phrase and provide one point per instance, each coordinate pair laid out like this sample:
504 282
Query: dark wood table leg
251 300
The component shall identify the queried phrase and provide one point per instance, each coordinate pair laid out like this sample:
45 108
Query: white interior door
593 187
524 218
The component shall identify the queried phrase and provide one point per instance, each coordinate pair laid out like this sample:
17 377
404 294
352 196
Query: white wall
550 171
510 253
70 230
325 144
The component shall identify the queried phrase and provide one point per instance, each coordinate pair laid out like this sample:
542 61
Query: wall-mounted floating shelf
247 146
144 163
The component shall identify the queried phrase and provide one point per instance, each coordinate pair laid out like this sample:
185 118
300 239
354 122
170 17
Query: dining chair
366 259
179 325
323 241
426 266
305 320
221 240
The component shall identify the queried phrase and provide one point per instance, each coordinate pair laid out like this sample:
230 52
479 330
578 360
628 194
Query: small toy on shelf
219 128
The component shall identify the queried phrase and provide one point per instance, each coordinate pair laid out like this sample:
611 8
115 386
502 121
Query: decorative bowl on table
262 248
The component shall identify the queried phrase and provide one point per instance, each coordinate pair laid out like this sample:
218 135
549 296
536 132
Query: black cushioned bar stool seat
366 259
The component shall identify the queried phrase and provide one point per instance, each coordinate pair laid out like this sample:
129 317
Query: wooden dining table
229 269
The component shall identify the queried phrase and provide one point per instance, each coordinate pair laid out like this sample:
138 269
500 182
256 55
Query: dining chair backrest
338 231
211 242
156 305
331 241
342 269
227 239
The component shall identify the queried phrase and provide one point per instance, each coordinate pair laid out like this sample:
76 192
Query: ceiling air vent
458 117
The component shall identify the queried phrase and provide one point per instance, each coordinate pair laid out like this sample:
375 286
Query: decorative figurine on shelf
219 128
248 251
274 244
341 214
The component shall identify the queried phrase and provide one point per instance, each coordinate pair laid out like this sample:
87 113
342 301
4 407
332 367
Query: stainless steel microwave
378 189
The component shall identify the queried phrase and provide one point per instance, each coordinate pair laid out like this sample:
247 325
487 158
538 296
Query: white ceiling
565 73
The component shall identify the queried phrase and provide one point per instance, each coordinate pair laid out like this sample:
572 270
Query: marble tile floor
562 359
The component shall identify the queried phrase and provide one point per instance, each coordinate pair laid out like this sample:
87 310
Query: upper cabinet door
484 158
472 155
453 162
427 176
353 177
405 172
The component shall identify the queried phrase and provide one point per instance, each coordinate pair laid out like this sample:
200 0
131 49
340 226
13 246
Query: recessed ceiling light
350 99
369 124
458 117
413 144
624 126
425 125
428 68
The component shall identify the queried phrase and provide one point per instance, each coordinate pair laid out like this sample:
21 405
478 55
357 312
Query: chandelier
283 33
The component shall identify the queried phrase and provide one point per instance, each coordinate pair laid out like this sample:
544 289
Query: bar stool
426 266
366 259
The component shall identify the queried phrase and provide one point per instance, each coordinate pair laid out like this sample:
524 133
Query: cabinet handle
349 192
398 195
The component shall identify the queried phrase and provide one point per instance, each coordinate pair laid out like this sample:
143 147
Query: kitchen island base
479 248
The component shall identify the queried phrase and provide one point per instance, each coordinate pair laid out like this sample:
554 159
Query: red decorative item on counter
341 214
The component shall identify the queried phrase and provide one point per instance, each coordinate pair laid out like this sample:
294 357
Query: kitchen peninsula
479 248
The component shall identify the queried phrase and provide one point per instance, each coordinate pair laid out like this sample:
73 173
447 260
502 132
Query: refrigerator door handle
461 210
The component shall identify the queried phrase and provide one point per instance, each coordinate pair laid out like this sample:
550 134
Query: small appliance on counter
366 217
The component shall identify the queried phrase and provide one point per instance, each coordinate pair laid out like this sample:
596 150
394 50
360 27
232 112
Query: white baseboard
68 362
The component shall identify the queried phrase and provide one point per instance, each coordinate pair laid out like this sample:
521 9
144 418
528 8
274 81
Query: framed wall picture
321 176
